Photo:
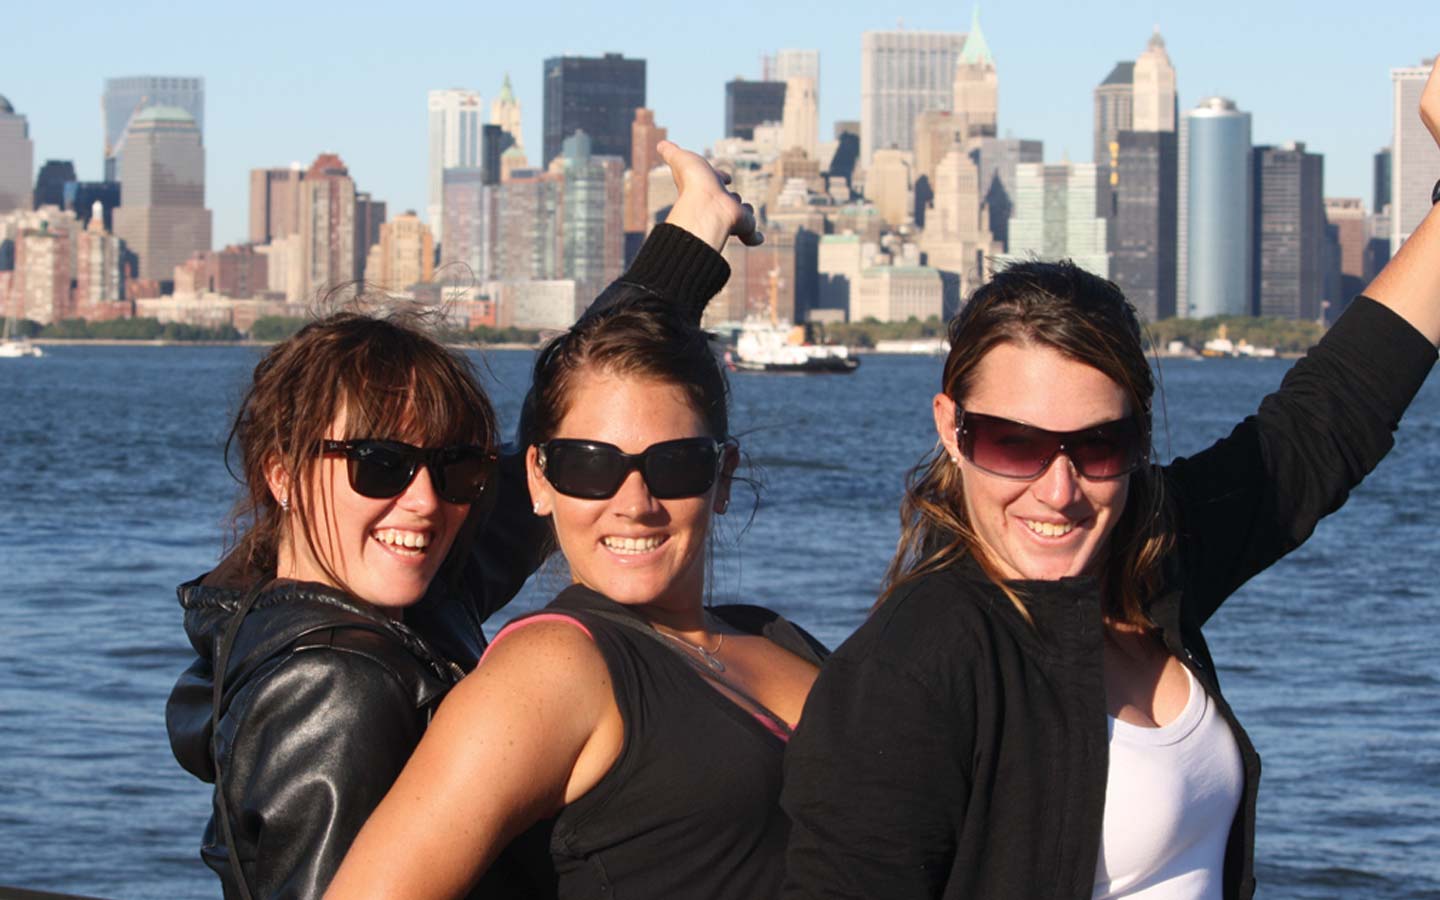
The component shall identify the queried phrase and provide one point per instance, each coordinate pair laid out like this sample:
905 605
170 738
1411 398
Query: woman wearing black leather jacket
333 668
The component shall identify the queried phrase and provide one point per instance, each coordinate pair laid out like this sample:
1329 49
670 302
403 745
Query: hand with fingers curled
706 207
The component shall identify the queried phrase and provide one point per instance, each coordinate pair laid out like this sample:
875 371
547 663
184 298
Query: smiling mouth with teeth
1049 529
409 542
626 545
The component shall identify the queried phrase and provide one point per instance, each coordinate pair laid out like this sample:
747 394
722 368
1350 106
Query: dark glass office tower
751 103
597 95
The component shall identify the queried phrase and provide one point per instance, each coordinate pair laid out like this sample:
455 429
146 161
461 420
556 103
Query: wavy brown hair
389 381
1086 318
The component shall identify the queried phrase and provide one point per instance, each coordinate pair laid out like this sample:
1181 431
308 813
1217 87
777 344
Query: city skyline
1293 67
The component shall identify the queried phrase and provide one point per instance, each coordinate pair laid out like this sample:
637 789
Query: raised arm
1410 283
533 728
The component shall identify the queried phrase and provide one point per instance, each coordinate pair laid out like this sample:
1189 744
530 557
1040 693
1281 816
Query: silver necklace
710 657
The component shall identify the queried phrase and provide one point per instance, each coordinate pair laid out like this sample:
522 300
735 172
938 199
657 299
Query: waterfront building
527 226
1415 160
544 304
903 74
99 281
17 159
125 97
1054 216
1351 229
50 183
1289 232
275 203
505 113
644 136
1215 265
1381 186
787 64
369 216
466 255
997 159
592 233
405 255
890 185
1142 235
284 267
162 179
1153 107
764 280
896 293
840 260
456 115
80 198
44 261
597 95
238 272
800 119
977 85
751 103
328 252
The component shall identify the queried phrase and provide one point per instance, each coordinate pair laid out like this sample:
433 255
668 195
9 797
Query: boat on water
762 346
12 347
1221 346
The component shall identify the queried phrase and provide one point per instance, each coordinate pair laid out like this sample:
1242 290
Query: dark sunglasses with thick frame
384 469
594 470
1020 452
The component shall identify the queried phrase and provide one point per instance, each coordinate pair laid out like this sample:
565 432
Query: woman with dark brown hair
353 600
1031 710
629 738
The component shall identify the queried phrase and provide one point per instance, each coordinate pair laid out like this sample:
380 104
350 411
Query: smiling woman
580 735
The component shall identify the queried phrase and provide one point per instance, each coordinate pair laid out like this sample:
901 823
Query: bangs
413 392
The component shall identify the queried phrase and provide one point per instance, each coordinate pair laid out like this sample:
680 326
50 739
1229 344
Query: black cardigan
950 749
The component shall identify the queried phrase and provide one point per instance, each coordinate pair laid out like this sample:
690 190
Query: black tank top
691 806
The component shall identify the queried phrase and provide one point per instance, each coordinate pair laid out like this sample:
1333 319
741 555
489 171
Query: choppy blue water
114 491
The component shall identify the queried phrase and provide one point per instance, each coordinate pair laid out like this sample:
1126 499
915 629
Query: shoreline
137 342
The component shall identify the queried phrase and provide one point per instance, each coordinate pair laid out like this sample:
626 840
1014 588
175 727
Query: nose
633 498
1058 487
419 496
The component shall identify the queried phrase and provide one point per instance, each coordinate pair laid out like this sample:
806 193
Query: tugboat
768 346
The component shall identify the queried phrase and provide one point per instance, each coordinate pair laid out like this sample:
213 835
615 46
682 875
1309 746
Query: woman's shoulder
770 624
933 617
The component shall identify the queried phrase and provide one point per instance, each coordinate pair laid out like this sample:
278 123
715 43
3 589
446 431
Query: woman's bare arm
532 729
1410 283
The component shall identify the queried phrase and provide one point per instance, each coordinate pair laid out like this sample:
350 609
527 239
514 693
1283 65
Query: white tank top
1170 797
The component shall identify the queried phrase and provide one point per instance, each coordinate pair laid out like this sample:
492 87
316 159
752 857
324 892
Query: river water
114 491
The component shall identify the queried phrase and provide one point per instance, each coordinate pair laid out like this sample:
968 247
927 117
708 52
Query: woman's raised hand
706 207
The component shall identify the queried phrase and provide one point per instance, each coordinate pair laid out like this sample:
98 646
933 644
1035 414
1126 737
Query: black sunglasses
1023 452
384 469
592 470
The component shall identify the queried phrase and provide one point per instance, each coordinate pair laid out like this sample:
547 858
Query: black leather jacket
325 698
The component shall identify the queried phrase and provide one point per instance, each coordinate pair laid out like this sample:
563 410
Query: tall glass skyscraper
596 95
456 117
903 74
1215 214
124 97
17 159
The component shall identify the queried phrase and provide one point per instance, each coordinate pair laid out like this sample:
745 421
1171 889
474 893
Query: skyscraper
997 159
1153 108
50 183
1138 183
17 159
592 234
645 134
1289 232
799 123
1381 186
1114 108
162 180
505 112
81 197
405 255
788 64
465 257
527 226
327 227
1415 158
977 85
751 103
124 97
903 74
455 119
1215 248
1054 216
98 279
597 95
275 203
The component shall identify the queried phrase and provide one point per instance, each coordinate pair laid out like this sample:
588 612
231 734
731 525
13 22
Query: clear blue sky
285 81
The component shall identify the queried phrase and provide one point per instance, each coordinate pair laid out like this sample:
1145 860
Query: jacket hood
283 614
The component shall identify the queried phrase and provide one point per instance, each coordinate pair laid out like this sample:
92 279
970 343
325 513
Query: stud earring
535 508
285 503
